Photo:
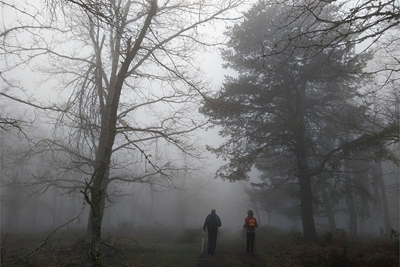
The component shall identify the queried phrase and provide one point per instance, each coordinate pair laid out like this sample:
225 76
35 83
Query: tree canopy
293 109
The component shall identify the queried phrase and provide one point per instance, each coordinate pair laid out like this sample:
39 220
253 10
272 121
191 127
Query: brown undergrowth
162 247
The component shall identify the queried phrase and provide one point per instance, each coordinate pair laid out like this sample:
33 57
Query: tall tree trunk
350 200
329 209
307 214
361 167
96 221
352 214
108 130
377 174
102 207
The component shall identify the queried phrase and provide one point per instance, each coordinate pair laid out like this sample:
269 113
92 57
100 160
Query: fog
183 206
156 184
130 205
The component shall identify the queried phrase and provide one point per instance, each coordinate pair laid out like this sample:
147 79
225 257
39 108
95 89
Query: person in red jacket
250 224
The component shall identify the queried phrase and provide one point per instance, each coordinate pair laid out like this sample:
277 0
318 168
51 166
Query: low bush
190 236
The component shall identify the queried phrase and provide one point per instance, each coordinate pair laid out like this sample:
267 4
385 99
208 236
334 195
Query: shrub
190 236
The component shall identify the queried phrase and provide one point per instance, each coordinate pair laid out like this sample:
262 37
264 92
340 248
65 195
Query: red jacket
246 223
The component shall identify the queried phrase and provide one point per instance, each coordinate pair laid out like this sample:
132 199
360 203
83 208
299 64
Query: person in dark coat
250 224
212 223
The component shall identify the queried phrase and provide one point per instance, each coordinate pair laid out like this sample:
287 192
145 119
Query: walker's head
250 213
212 210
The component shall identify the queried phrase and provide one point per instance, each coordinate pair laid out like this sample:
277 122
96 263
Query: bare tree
128 71
365 22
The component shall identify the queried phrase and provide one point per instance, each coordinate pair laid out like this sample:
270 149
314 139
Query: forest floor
273 248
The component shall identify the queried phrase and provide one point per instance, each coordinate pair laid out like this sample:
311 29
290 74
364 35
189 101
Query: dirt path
232 255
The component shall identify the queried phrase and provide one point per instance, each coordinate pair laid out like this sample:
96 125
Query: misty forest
124 123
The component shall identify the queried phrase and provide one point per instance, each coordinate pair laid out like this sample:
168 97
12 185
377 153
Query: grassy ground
273 248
